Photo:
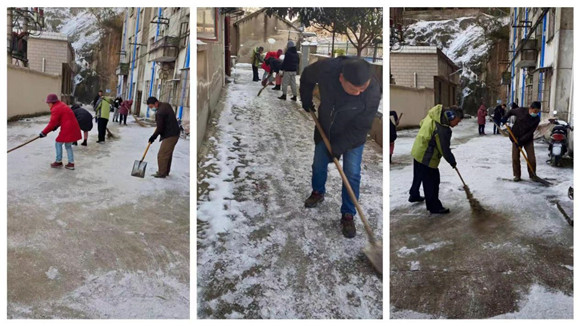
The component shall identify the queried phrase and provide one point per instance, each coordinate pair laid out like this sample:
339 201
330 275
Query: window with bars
551 23
207 23
529 89
546 86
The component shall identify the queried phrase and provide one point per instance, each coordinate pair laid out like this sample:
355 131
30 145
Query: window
529 89
207 24
547 85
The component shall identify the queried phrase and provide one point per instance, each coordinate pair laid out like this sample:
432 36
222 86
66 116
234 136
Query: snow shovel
268 77
139 166
110 134
28 142
538 179
373 251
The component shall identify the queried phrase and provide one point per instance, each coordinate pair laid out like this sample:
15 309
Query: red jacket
269 55
125 107
62 116
481 114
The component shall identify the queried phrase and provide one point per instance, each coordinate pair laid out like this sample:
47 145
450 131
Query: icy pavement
260 253
96 242
513 261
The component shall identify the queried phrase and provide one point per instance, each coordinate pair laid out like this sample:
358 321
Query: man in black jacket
349 100
85 120
97 98
168 129
289 68
498 114
527 120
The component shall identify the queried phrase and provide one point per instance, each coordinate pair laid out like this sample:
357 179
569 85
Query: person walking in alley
289 69
527 120
116 106
102 116
393 132
124 111
481 115
256 60
498 114
349 100
168 129
96 99
433 142
85 120
62 116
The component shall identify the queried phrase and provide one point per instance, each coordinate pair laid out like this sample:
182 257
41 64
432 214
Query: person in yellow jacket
103 108
433 142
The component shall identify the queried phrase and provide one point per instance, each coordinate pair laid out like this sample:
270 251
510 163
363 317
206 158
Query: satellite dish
271 41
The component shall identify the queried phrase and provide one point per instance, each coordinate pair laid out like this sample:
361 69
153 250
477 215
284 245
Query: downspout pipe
159 13
524 70
134 55
513 82
542 59
120 85
184 85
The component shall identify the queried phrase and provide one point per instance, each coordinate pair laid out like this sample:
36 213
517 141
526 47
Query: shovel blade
374 252
139 169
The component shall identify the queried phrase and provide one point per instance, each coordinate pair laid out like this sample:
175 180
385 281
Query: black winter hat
536 105
356 71
152 100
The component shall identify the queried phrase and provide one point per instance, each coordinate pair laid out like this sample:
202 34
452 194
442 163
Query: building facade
154 59
541 59
426 67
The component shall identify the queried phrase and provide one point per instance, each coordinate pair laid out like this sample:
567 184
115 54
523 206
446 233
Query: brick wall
403 65
55 52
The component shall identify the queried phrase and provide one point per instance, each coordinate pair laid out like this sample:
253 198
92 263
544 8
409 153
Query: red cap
51 98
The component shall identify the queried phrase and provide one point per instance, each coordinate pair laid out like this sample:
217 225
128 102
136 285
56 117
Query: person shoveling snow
433 142
62 116
527 120
349 100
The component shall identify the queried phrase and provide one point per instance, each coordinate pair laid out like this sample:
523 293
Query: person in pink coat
481 115
62 116
124 111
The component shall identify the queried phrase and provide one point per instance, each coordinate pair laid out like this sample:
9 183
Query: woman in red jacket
62 116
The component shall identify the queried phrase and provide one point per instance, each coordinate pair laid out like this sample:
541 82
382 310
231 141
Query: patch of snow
415 265
542 303
404 251
52 273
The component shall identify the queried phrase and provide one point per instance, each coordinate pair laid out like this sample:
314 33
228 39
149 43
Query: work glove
152 139
308 108
41 135
503 120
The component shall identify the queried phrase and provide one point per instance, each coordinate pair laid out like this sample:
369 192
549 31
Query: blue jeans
69 152
352 160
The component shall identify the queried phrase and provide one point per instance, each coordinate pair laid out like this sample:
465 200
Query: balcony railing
165 49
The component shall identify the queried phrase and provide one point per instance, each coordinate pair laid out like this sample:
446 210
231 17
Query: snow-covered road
514 261
261 254
96 242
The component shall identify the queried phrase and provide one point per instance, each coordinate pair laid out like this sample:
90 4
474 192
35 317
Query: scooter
558 145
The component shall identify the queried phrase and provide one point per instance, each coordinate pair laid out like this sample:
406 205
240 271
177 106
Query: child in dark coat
85 120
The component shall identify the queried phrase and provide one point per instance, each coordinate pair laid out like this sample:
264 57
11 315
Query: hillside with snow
465 40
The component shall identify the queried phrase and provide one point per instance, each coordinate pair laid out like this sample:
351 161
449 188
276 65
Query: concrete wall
54 51
210 80
403 65
248 34
37 85
413 102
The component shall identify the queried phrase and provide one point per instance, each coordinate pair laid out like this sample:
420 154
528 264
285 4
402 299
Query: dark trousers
256 75
123 118
482 129
430 178
495 128
165 155
102 128
531 154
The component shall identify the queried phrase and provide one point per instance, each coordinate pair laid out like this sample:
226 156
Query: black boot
276 88
441 210
416 199
314 199
293 98
283 97
75 143
348 228
84 143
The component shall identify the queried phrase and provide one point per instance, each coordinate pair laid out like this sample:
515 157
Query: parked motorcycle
558 145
